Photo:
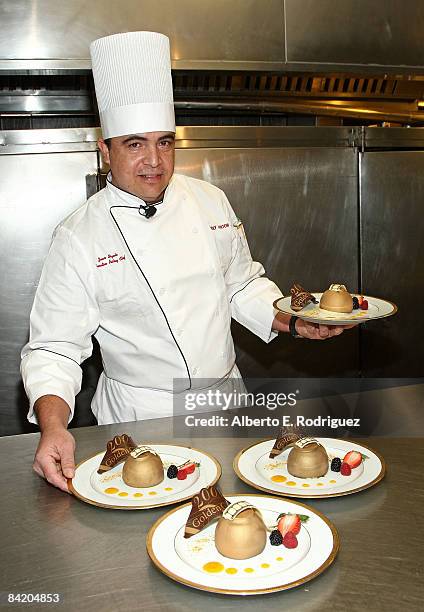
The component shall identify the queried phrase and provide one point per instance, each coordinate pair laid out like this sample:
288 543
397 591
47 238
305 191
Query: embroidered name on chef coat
109 259
223 226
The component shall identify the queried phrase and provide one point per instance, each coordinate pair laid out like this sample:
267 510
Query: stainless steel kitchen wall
372 33
217 34
38 34
39 186
392 259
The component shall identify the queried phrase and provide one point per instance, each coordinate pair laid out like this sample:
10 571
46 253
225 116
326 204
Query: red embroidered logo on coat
109 259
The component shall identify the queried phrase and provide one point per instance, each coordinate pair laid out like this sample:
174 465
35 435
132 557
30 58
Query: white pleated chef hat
132 78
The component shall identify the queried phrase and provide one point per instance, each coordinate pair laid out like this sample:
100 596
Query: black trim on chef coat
150 287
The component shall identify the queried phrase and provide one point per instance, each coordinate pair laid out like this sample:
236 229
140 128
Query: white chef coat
158 294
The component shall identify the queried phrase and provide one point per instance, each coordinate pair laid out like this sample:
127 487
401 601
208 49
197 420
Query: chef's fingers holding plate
315 331
54 459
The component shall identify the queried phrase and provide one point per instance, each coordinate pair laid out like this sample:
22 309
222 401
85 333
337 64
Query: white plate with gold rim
254 467
108 490
196 562
377 309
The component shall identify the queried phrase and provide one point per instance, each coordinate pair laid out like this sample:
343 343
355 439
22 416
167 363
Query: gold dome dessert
336 299
240 532
307 459
142 468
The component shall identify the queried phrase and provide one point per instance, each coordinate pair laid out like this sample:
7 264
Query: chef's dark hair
108 142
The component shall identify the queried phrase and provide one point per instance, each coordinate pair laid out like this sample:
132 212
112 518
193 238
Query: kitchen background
307 113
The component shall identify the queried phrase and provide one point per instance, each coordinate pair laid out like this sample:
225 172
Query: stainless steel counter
96 558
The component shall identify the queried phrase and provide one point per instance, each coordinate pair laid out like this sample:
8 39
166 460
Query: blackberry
172 471
275 538
355 303
336 464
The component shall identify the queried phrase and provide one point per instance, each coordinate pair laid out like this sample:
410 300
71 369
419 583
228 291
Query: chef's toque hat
132 77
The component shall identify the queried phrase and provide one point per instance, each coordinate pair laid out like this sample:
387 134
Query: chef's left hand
305 329
315 331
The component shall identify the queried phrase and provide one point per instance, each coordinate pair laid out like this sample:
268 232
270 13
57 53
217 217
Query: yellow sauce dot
168 488
290 483
213 567
278 478
111 490
264 565
231 570
123 494
249 570
305 485
138 494
152 493
320 484
279 559
333 481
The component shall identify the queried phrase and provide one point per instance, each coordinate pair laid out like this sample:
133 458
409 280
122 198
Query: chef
154 266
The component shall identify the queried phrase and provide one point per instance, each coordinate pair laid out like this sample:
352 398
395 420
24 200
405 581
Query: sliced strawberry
190 467
182 475
353 459
360 299
345 470
289 523
290 540
364 305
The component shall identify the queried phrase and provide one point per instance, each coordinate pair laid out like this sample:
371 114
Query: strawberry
182 475
345 470
353 459
290 540
190 467
364 305
289 523
360 299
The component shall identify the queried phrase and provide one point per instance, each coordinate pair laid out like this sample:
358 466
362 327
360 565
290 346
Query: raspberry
336 464
172 471
290 540
345 470
275 538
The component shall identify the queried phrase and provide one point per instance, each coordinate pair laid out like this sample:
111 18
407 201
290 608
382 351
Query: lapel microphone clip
147 211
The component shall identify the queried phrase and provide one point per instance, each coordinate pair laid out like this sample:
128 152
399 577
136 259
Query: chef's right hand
54 459
55 455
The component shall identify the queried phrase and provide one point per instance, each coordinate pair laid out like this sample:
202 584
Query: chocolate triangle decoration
284 439
207 505
117 450
300 297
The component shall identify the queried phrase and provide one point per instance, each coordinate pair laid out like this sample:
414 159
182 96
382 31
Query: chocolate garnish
284 439
300 297
207 505
117 450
